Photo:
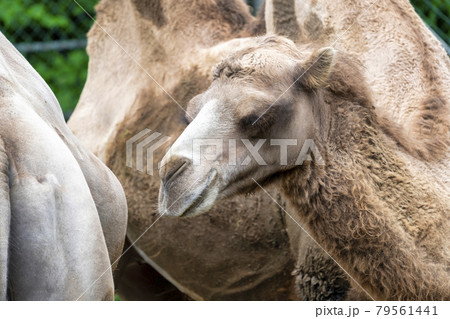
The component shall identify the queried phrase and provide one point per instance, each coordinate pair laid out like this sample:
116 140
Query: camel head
255 121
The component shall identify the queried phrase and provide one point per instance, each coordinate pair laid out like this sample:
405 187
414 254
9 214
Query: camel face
252 123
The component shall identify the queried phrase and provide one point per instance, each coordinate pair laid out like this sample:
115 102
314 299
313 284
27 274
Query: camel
355 189
406 67
62 212
241 249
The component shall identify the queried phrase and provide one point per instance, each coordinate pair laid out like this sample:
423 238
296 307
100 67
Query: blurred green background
52 37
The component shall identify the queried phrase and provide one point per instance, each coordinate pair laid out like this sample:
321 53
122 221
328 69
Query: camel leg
5 216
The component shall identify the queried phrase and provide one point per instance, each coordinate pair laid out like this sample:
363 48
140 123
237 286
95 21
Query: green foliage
436 14
46 20
64 72
18 15
25 21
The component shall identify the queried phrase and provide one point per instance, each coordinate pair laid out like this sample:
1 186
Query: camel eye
263 119
254 124
248 121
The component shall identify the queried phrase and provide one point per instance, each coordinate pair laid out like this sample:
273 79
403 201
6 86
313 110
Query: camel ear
314 73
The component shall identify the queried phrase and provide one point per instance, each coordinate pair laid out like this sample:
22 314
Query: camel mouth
194 200
196 205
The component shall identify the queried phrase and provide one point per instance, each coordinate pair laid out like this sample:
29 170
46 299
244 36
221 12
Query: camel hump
5 216
427 135
282 19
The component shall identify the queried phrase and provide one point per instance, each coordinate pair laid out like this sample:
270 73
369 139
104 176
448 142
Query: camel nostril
173 169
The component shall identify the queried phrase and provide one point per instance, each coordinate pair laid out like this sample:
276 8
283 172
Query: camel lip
171 178
196 202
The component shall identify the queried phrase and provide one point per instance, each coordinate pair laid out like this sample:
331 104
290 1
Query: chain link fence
52 37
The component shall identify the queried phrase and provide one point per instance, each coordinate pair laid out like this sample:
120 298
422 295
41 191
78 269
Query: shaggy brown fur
387 227
406 67
316 276
241 249
385 224
429 135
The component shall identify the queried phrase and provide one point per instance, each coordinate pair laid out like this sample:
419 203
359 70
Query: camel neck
364 207
350 142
